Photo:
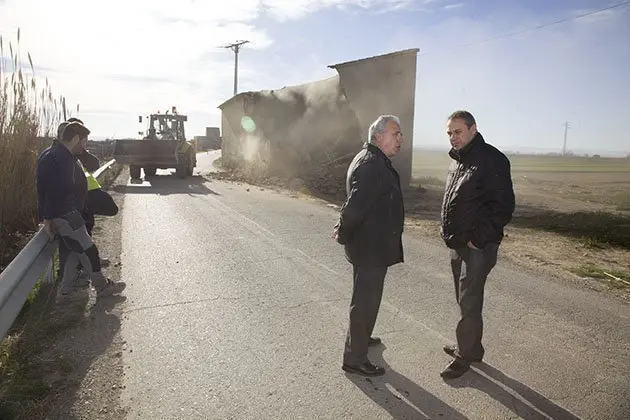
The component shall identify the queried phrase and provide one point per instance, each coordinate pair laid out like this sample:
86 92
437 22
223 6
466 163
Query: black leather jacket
479 197
372 218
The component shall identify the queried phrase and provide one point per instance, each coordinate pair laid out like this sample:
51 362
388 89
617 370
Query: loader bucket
157 153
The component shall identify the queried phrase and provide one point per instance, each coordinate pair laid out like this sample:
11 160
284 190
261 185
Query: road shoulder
75 359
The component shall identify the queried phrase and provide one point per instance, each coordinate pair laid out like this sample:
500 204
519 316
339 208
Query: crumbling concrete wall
384 85
311 131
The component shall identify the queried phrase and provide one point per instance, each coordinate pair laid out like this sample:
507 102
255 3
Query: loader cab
167 127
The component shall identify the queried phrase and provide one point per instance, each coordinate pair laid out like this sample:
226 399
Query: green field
429 164
529 163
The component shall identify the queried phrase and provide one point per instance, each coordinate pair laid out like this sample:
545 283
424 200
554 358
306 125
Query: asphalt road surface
237 307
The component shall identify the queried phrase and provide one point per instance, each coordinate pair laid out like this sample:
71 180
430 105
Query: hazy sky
119 59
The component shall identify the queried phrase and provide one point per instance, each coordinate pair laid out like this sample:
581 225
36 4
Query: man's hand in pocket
470 245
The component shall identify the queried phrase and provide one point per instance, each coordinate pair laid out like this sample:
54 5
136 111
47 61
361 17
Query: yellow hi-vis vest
91 181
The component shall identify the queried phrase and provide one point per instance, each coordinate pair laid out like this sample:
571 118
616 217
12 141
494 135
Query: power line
564 147
536 28
236 47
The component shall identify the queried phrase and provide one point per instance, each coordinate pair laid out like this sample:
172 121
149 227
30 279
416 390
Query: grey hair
379 125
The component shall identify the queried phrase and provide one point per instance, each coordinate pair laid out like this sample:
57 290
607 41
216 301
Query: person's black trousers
470 270
366 299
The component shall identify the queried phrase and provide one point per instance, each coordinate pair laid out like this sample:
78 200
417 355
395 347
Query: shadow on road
501 387
99 332
166 185
401 397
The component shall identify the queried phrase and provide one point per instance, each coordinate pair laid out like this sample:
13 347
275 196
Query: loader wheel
190 166
134 171
181 171
150 171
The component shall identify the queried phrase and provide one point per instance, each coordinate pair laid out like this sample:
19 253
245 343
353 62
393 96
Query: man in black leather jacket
370 227
478 203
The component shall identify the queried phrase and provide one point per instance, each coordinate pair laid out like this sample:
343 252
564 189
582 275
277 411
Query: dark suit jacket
372 218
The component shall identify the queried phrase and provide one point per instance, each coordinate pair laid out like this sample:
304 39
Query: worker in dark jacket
84 159
478 203
370 227
96 201
61 196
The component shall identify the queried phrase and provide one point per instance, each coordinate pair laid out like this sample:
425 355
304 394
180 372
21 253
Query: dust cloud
312 131
299 130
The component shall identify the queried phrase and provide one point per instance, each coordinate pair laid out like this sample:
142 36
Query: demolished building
312 131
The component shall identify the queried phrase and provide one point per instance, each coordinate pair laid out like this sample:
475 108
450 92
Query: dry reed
28 115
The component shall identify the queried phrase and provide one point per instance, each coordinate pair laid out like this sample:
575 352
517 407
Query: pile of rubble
329 179
322 179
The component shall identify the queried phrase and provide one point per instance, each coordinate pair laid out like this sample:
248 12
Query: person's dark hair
74 129
60 130
63 125
468 118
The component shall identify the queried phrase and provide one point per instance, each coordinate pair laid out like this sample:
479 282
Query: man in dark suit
370 227
478 203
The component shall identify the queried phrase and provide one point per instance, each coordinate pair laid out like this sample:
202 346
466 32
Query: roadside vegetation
23 388
29 114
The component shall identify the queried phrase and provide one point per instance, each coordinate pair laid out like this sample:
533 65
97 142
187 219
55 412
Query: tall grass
28 115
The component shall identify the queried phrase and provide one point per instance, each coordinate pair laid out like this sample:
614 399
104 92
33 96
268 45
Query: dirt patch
560 243
572 217
571 192
70 355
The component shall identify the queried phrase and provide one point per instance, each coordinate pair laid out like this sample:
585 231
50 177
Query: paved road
237 306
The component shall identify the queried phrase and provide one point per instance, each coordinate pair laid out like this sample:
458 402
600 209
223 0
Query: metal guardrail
35 261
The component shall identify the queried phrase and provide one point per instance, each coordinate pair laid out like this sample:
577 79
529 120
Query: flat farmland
572 213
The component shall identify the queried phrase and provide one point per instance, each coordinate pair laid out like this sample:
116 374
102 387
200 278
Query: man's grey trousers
470 269
367 292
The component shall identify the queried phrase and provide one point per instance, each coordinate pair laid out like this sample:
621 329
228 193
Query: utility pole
236 47
564 147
